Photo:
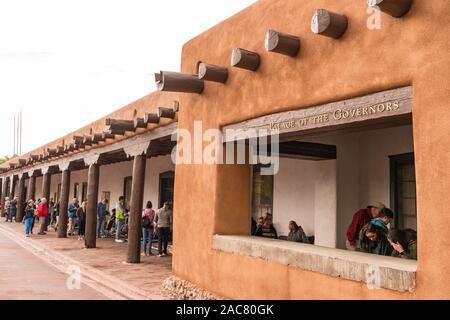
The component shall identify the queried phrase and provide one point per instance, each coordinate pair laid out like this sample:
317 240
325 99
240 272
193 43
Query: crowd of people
369 232
155 224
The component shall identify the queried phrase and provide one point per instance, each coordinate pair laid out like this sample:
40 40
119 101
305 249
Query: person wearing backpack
72 213
148 215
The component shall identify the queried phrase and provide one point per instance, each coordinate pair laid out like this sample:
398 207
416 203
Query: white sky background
67 63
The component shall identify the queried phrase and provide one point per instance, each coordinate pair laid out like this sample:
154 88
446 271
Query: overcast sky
69 62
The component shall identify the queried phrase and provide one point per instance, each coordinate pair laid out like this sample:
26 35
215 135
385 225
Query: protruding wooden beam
176 105
107 135
22 162
97 137
210 72
78 139
140 123
151 118
178 82
244 59
283 43
395 8
88 140
329 24
69 147
117 126
166 113
35 157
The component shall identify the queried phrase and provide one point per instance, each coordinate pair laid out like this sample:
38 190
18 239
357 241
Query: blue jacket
72 210
101 210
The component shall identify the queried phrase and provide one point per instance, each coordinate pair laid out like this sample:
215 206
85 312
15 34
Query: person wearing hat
360 219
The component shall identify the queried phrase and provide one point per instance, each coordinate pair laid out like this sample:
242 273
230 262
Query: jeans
147 240
8 214
28 222
163 239
101 223
119 224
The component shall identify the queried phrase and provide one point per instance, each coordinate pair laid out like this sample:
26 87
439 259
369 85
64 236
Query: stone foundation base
174 288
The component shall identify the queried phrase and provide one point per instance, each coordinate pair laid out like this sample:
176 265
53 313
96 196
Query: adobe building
361 113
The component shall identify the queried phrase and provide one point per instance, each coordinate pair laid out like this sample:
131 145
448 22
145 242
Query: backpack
146 223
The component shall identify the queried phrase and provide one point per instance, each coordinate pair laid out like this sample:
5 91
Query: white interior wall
362 176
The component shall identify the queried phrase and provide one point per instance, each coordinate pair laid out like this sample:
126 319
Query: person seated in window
256 225
373 239
404 243
296 233
267 229
386 215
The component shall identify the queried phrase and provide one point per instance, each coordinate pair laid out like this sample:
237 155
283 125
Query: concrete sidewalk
103 268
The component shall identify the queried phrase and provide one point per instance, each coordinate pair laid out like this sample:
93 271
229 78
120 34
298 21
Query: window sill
376 271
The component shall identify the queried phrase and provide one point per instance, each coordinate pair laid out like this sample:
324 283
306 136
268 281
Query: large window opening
324 179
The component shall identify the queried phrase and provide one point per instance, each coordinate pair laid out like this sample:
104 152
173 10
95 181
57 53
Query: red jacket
360 219
42 211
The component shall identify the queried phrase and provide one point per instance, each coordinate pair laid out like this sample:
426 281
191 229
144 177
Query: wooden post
20 198
329 24
64 204
3 197
179 82
241 58
395 8
91 211
137 196
212 72
166 113
282 43
31 190
46 180
13 187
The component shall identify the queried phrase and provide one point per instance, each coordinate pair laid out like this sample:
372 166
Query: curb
109 286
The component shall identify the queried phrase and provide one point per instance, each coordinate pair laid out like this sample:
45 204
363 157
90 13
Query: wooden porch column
20 198
3 196
137 197
6 185
12 190
91 211
63 202
31 186
46 179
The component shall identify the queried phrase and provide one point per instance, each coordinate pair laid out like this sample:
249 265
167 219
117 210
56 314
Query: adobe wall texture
413 50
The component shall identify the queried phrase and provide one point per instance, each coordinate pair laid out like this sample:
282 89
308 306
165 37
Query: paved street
25 276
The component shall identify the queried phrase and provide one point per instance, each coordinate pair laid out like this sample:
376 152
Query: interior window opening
352 190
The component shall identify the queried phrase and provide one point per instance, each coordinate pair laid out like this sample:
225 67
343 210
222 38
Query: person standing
72 214
13 209
163 221
7 208
29 217
42 214
81 215
148 217
361 218
120 217
101 218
